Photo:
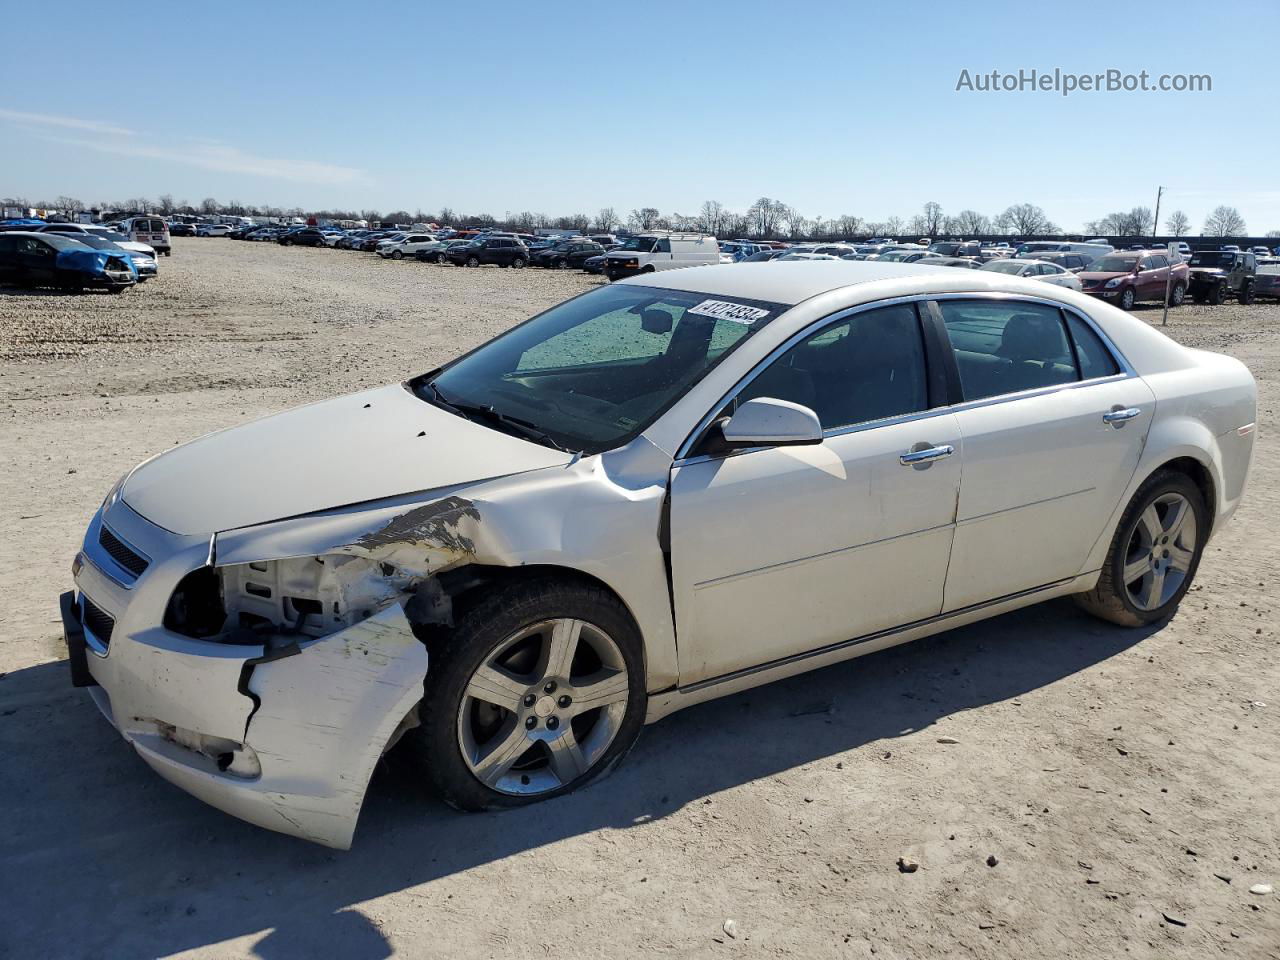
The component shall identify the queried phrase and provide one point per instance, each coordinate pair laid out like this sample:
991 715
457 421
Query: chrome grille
122 553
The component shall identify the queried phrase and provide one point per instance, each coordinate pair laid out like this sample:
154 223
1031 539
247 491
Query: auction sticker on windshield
724 310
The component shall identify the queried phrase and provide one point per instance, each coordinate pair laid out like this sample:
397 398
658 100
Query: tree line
767 218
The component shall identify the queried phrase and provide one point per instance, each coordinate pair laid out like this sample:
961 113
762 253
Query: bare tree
606 219
1027 218
765 215
932 219
1272 234
797 223
645 218
68 206
1225 222
1178 225
969 222
208 205
711 217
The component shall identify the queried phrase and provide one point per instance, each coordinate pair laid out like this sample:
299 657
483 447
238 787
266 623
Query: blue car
143 263
53 260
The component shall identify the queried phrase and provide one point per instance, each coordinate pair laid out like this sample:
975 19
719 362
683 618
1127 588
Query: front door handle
927 455
1119 416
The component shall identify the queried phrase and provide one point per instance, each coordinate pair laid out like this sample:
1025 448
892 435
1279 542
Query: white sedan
1035 270
662 491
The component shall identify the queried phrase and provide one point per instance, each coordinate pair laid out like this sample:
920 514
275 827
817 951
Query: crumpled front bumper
286 738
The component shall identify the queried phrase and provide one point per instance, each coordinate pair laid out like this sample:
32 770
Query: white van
661 251
149 230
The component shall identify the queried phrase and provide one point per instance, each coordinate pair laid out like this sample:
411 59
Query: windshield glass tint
1114 264
1003 266
593 372
1213 259
640 244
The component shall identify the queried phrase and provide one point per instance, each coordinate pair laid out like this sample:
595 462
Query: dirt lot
1127 782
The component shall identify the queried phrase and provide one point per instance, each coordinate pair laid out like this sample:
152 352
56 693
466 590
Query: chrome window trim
682 457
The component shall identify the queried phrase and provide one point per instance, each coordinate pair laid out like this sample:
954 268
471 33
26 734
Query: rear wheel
1154 555
538 690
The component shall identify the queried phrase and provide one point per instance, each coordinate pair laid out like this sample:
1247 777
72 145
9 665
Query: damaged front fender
318 720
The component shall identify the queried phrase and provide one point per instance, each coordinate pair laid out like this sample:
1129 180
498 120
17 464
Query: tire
649 269
518 263
1178 295
473 261
519 622
1217 294
562 264
1127 299
1121 598
397 255
1246 294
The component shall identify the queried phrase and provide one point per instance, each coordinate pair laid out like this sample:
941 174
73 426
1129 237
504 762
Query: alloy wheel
1161 551
543 707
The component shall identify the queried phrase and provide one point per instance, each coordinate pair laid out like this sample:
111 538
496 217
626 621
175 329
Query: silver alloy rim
1128 298
543 707
1160 552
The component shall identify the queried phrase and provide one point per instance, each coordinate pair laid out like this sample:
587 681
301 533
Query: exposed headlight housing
1114 282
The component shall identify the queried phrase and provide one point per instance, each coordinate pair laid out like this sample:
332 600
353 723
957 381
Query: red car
1127 276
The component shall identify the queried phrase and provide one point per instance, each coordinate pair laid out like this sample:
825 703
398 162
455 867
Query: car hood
1209 271
366 446
1103 275
136 247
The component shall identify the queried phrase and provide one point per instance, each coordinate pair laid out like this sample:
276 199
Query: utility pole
1155 226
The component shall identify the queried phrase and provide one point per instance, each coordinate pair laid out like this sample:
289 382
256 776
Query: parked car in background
212 230
57 260
1034 270
600 502
1267 280
764 256
1216 275
441 256
593 265
903 256
144 263
331 237
804 255
406 245
144 250
1260 251
1127 277
934 260
652 252
606 240
1075 262
179 229
572 253
152 231
306 237
1032 249
502 251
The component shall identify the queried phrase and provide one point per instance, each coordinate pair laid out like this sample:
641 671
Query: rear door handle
1118 417
927 455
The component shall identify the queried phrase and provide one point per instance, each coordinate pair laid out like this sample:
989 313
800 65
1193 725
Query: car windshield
1213 258
593 372
640 244
1003 266
98 243
1113 264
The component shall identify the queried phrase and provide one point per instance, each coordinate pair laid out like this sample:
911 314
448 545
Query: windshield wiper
514 425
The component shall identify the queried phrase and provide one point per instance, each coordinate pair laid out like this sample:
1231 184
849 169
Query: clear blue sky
834 108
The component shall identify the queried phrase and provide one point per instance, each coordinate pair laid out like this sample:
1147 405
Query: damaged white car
659 492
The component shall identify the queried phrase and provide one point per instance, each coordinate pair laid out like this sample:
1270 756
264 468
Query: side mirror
766 422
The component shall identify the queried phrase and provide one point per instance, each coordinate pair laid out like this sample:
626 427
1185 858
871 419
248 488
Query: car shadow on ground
102 858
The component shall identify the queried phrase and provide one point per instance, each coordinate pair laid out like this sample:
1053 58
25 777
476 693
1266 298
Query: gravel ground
1125 782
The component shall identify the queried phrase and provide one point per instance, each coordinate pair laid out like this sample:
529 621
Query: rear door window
1006 346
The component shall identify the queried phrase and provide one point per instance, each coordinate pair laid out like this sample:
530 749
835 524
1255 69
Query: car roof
798 280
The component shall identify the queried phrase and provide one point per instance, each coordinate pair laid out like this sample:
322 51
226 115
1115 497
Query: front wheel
397 255
1246 294
1127 299
1218 294
538 690
1154 554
